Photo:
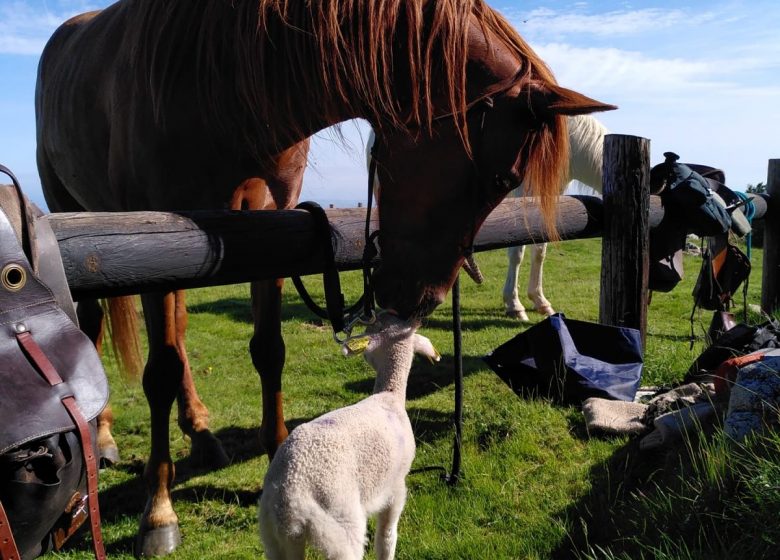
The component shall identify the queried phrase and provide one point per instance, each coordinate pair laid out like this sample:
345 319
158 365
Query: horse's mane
586 135
346 59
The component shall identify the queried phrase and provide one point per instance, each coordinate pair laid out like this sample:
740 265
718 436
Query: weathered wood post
626 234
770 293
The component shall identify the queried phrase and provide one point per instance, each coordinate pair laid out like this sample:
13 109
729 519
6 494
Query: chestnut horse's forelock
343 54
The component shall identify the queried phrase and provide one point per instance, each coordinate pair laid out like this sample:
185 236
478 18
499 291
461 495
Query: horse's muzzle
409 299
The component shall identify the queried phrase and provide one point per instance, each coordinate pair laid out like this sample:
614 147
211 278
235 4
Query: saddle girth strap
49 372
8 550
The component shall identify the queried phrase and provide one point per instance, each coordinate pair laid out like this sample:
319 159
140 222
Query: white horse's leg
535 294
512 303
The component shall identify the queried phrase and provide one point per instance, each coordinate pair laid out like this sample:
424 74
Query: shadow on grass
426 378
640 502
685 337
239 309
595 519
475 320
127 500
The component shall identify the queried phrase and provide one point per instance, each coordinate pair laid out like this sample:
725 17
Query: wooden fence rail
108 254
117 253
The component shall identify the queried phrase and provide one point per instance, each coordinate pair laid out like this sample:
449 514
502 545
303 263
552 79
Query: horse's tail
122 326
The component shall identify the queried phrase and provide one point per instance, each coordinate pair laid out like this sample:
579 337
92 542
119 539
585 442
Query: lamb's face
390 334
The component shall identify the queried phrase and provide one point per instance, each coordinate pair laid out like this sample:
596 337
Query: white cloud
702 84
607 69
609 24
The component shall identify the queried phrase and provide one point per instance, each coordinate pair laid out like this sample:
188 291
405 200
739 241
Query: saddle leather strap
8 550
92 476
49 372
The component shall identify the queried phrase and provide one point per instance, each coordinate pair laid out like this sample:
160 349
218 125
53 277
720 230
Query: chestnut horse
162 105
281 190
586 139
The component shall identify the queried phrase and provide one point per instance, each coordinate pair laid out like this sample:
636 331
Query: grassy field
535 484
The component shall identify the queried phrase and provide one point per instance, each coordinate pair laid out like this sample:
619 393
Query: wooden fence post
770 294
626 234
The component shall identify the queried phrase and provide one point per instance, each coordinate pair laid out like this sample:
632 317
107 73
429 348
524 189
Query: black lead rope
342 320
334 299
370 250
454 476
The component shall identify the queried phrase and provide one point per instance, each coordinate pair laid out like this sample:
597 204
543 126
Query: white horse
586 136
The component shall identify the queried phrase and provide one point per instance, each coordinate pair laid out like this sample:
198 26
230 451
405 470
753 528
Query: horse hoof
109 456
160 541
207 451
519 315
545 310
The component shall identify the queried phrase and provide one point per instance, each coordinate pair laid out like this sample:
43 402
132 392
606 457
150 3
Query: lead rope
454 475
370 250
341 320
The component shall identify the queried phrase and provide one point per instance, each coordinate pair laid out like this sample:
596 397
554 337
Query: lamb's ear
547 99
424 347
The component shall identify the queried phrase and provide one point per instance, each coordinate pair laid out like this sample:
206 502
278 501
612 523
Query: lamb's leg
277 548
541 305
512 303
387 526
341 535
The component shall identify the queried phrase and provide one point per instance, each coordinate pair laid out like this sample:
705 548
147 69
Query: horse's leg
90 316
193 416
512 303
267 350
158 532
541 305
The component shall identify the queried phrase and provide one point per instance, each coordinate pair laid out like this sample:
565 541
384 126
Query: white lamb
335 471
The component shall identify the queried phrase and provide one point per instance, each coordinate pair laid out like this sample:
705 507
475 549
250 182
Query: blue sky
698 78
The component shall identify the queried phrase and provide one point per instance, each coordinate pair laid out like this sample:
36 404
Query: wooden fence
108 254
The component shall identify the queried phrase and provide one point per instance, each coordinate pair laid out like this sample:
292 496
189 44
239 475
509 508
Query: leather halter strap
47 370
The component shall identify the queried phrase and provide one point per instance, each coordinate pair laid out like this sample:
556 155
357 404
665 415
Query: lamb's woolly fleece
334 472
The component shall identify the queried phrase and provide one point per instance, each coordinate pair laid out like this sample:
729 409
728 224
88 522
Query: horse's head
442 178
435 194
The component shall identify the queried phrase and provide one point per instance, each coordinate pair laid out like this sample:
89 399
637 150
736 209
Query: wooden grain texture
626 234
130 252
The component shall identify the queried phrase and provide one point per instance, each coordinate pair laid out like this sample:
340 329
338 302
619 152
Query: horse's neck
586 137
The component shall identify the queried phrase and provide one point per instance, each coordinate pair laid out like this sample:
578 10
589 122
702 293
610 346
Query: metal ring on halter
360 318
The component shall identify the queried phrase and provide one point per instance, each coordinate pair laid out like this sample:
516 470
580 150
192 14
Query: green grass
534 486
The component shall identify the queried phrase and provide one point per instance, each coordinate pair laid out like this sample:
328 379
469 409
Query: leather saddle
52 387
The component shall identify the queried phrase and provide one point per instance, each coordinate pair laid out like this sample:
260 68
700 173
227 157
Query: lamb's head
390 339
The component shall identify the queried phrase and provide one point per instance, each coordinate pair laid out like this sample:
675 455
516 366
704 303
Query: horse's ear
547 98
